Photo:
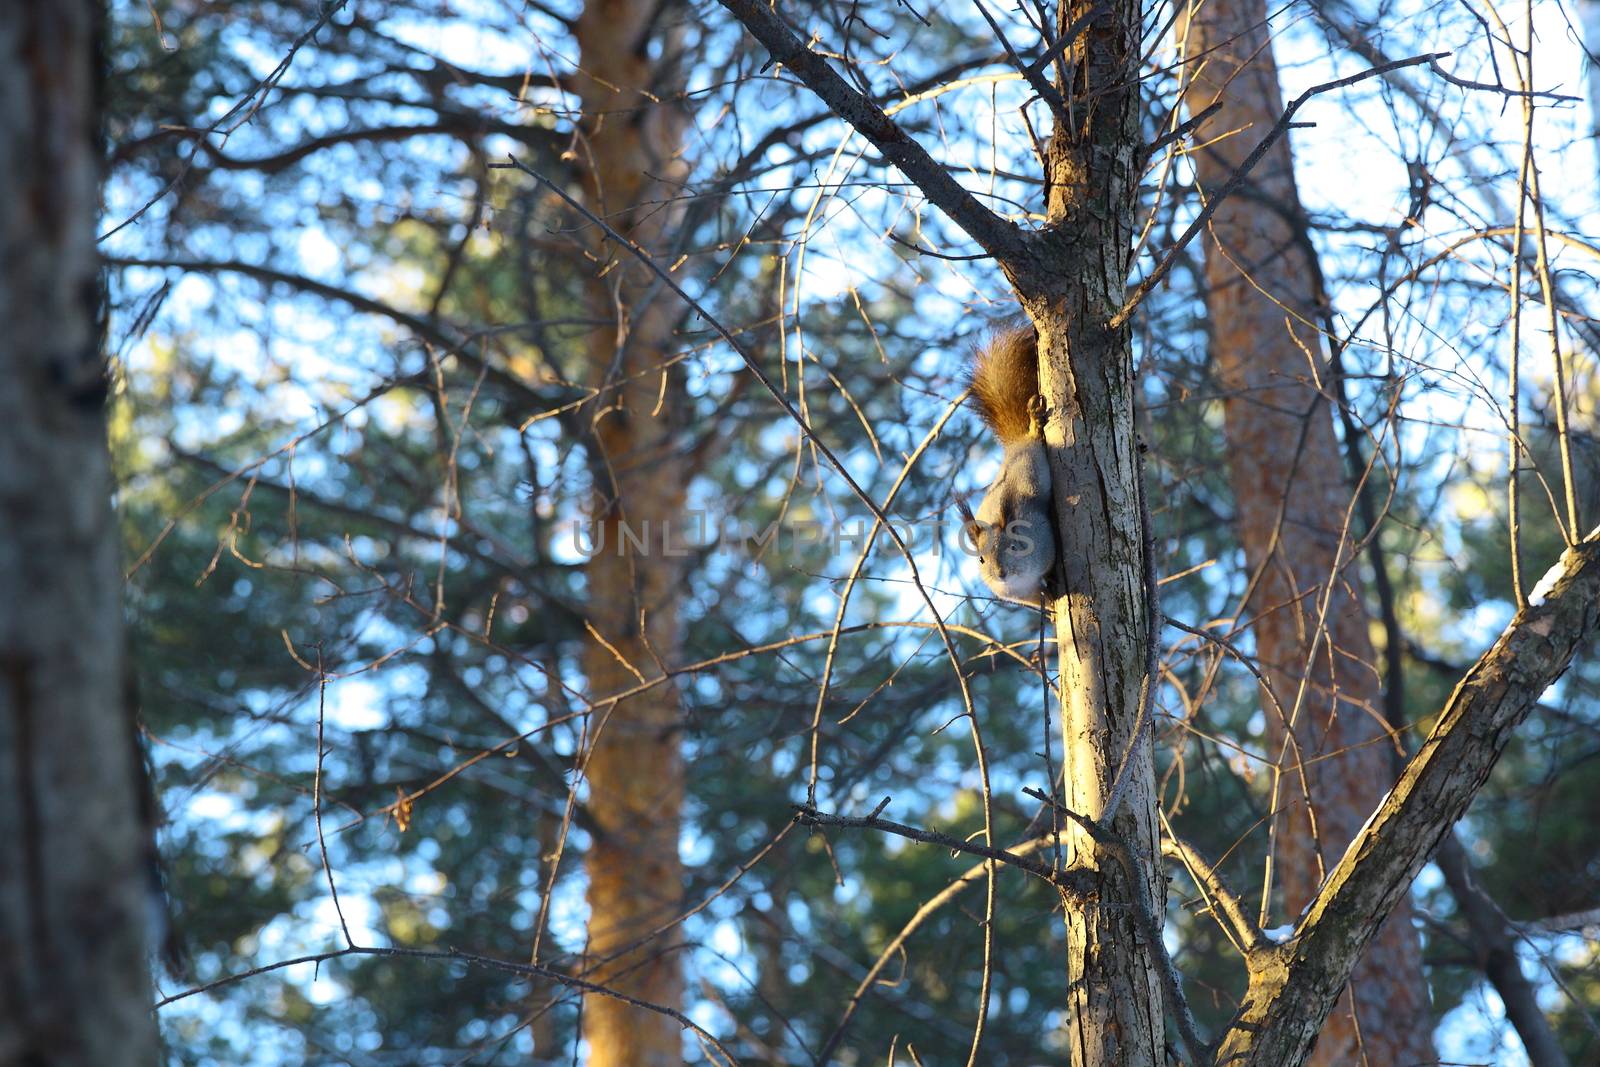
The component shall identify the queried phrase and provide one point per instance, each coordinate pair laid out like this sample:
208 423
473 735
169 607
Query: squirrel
1013 530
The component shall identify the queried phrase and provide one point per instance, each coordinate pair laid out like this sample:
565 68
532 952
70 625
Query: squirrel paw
1038 410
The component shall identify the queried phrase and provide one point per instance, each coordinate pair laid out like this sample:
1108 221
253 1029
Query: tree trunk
1069 277
74 975
1101 614
1310 625
629 154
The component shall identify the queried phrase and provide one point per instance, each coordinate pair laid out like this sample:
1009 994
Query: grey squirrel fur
1013 530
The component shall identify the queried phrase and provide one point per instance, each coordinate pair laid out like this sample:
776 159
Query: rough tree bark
629 157
1102 617
74 975
1069 277
1310 625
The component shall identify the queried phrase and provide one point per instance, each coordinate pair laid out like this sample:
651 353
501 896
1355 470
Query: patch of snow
1547 583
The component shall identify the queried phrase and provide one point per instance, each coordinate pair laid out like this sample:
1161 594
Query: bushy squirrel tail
1004 380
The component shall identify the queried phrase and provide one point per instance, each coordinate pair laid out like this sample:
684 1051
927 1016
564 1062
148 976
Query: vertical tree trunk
1101 617
74 976
1312 639
1069 277
629 153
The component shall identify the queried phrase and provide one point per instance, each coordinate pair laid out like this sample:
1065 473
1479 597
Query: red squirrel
1013 530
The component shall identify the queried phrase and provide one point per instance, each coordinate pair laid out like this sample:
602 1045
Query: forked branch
1282 1017
1001 239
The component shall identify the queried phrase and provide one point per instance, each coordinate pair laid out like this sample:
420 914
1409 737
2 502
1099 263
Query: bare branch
1566 923
523 970
1494 88
1223 903
1285 1010
1153 279
425 329
1075 882
1031 73
1496 948
1001 239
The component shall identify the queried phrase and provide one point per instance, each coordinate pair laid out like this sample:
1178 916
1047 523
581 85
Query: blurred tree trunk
74 975
629 154
1310 625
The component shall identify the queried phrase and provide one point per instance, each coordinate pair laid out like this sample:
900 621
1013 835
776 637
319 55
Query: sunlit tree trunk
74 977
629 154
1069 276
1309 622
1101 617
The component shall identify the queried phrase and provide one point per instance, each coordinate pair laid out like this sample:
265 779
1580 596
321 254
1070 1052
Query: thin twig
1074 881
525 970
1031 73
1524 92
245 109
923 913
1190 124
316 801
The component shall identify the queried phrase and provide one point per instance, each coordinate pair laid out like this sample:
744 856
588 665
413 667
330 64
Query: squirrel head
1013 531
